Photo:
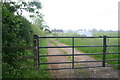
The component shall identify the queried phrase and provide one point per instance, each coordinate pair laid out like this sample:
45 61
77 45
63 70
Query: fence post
38 52
35 45
104 51
73 52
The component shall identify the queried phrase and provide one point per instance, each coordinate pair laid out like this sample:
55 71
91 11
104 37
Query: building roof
57 30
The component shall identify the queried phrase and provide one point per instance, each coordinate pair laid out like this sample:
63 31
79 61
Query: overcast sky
81 14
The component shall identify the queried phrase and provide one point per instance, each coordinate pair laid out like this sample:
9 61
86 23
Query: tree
16 32
94 30
47 30
101 30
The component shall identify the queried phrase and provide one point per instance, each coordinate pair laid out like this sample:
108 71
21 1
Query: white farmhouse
85 33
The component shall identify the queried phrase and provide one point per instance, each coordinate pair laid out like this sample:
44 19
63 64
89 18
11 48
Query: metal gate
104 53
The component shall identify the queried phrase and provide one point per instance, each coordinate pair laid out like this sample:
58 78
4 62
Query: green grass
44 74
105 33
43 42
90 41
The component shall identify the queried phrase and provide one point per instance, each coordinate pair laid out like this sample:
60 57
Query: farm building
85 33
57 31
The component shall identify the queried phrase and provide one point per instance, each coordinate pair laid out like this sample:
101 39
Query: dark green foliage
31 10
16 31
37 4
47 30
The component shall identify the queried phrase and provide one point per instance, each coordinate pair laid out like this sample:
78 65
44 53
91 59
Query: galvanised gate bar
73 54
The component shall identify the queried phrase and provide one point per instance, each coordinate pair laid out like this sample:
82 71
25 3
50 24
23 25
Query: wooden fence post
38 52
36 57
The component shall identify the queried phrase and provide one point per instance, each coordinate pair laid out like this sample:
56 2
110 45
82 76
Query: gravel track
107 72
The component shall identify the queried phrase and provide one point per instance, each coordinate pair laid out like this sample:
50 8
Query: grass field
105 33
97 41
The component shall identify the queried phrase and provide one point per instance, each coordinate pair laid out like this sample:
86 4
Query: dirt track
107 72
